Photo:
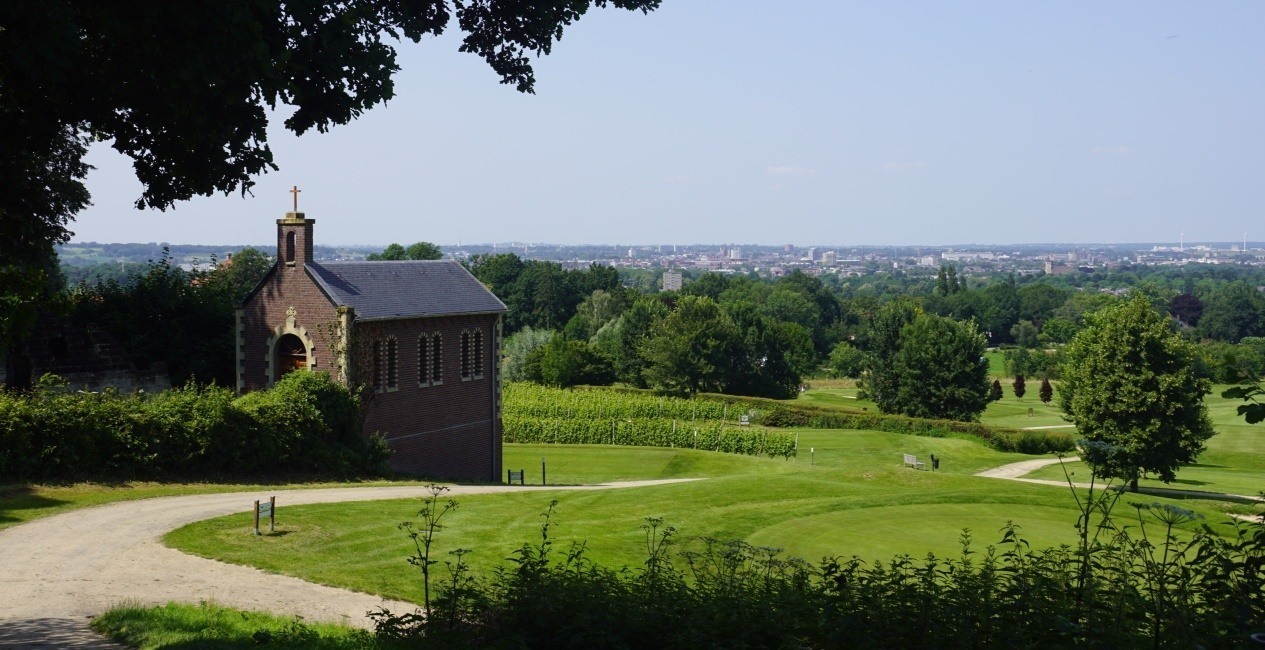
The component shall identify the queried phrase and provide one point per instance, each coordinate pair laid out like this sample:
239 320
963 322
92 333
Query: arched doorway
291 355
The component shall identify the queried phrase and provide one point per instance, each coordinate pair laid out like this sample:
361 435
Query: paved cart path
58 571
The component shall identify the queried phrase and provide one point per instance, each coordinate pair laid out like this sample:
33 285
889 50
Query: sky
784 122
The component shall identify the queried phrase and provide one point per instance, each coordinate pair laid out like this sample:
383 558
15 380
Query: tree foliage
1128 381
185 90
936 371
1047 391
1019 386
422 250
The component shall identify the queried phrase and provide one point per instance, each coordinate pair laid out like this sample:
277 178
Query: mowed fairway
853 498
1233 463
1009 411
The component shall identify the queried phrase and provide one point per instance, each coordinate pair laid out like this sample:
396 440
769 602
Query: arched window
291 355
290 247
466 367
393 375
436 360
478 354
423 355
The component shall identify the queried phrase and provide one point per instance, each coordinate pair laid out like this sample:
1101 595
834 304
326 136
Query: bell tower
294 236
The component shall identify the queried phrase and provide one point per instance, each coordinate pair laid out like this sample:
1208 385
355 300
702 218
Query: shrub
305 423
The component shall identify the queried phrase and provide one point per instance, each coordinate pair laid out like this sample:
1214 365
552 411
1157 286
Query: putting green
886 531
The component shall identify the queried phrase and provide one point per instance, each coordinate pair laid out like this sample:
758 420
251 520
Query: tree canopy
184 90
923 365
1128 382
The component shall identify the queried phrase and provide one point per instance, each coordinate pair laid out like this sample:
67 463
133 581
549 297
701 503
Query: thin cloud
778 170
900 166
1116 150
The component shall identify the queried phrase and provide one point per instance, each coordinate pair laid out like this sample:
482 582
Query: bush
1125 590
306 423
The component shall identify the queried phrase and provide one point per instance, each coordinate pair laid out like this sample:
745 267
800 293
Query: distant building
672 281
424 335
928 260
829 258
1057 268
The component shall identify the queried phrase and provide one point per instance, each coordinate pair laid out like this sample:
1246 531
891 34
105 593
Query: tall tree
1233 311
1019 386
938 372
881 341
690 349
994 391
1128 381
184 90
1047 391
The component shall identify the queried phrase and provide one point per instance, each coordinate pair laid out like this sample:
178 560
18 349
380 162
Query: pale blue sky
787 121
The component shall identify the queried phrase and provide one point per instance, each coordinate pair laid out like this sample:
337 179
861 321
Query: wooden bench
912 461
512 476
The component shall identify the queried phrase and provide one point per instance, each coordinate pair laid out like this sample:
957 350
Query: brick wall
449 430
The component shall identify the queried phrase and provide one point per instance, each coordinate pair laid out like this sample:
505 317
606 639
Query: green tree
994 391
1025 334
1019 386
689 351
1059 330
1128 382
937 372
186 95
574 363
846 361
518 348
623 339
1233 311
881 341
422 250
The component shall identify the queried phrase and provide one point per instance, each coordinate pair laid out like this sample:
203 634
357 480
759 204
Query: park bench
912 461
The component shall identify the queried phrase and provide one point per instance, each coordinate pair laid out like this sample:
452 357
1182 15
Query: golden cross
295 191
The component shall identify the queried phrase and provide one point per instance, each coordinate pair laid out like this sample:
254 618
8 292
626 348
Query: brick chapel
423 337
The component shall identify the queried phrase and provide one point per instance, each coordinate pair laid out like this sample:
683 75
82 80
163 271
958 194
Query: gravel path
57 572
1016 472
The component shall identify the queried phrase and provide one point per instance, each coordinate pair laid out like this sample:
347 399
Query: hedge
306 423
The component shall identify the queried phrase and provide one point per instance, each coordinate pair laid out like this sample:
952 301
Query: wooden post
257 518
272 514
542 470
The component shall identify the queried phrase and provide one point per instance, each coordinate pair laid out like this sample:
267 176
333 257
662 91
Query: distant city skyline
799 122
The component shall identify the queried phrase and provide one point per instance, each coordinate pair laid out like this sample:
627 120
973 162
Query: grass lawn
22 503
1234 461
179 625
855 499
1009 411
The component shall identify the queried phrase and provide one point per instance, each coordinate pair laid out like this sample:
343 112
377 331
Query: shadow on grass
14 498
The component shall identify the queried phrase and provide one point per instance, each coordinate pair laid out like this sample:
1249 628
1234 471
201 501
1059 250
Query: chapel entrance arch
291 355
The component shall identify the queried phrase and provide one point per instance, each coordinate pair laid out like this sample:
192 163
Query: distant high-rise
671 280
829 258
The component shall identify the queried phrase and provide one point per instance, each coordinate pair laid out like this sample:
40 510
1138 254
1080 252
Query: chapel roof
407 289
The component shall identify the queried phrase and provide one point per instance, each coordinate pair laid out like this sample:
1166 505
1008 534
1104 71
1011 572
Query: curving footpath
57 572
1016 472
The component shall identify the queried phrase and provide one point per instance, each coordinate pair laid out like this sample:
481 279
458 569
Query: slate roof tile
408 289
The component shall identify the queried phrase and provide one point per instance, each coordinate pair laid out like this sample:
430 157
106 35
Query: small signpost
514 476
744 420
266 509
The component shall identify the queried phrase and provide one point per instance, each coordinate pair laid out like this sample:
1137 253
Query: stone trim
289 327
